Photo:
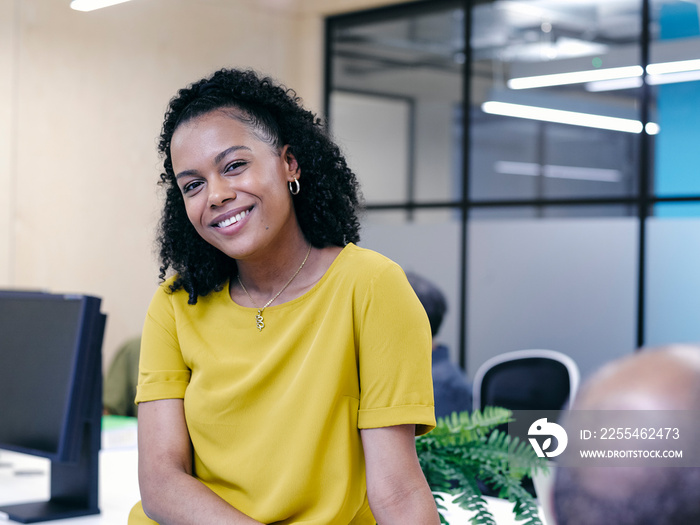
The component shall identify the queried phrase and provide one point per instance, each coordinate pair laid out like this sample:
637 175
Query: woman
284 371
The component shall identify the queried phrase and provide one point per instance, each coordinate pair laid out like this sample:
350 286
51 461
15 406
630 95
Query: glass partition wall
544 175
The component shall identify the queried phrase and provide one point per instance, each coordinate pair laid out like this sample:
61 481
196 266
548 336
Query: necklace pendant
259 321
259 317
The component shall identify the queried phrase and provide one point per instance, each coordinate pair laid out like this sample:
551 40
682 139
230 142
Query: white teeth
232 220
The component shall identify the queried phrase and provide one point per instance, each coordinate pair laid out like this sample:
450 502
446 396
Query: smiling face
234 185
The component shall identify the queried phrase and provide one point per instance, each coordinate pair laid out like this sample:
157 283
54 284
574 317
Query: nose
220 192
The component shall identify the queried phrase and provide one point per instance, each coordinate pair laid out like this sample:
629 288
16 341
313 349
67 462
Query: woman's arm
169 492
396 486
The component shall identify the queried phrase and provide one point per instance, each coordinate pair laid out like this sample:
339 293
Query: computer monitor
51 396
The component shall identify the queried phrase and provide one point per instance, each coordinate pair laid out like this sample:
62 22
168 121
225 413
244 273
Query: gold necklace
259 317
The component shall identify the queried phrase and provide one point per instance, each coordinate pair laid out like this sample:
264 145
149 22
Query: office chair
526 380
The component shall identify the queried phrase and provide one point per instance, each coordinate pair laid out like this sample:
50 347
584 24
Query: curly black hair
326 208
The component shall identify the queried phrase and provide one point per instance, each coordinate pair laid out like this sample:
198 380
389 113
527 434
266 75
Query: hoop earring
294 186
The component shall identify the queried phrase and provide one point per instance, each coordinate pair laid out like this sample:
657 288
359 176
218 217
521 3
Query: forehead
206 136
210 126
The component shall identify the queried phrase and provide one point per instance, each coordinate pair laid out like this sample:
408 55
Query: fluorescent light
578 173
652 80
573 118
616 84
91 5
615 77
507 167
575 77
673 67
532 169
652 128
672 78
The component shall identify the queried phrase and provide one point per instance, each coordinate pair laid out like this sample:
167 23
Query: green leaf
464 447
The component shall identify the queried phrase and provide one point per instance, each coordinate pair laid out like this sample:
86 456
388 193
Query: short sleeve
395 355
163 373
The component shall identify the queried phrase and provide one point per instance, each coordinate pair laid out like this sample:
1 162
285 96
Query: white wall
8 63
81 101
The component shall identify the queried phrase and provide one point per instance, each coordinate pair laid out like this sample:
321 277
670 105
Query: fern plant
463 448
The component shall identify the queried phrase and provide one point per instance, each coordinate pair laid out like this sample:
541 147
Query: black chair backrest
533 383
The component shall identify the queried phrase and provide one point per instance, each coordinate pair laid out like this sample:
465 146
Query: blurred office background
572 237
539 159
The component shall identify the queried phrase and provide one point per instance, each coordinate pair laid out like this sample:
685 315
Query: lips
229 219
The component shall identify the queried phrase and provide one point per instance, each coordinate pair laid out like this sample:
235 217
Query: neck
265 278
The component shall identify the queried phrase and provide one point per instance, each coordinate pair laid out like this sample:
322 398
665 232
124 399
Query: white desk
27 479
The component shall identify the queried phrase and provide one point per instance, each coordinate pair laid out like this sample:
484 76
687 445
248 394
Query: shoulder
373 278
366 274
166 300
365 262
165 295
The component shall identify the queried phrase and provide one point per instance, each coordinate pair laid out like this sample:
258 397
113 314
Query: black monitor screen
51 396
39 343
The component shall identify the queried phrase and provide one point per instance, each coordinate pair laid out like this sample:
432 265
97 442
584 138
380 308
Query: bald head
659 379
666 378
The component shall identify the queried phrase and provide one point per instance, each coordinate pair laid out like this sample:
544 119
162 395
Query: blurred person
119 388
452 391
667 378
284 371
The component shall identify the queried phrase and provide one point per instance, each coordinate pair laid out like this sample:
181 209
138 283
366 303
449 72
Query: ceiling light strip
673 67
573 118
91 5
532 169
575 77
672 78
614 85
678 71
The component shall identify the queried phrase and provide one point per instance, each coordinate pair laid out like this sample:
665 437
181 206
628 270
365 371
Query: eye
191 186
234 165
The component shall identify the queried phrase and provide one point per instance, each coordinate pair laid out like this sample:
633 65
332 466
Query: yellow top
274 416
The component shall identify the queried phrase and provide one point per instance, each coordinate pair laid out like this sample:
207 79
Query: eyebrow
223 154
219 157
